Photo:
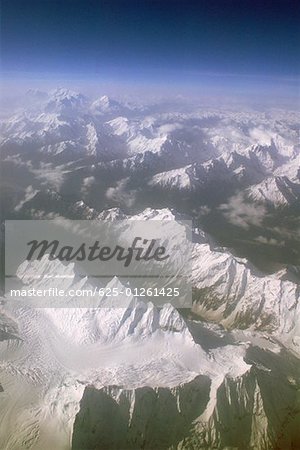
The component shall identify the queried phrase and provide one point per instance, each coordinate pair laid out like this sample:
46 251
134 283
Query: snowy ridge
179 151
237 295
138 347
124 373
75 347
200 413
65 101
174 179
234 293
277 191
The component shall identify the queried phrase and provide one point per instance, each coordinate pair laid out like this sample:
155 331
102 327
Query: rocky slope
201 380
229 412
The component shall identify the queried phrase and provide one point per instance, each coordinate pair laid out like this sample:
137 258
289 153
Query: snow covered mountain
55 355
188 416
277 191
64 101
189 152
103 343
234 293
230 291
221 375
105 105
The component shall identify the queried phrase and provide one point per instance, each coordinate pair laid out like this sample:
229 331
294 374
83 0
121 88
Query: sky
169 42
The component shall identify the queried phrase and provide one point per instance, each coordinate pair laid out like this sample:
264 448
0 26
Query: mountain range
223 374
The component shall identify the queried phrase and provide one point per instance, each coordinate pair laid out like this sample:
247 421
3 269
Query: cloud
204 210
121 195
261 135
169 128
30 192
18 162
50 175
38 214
270 241
87 184
243 214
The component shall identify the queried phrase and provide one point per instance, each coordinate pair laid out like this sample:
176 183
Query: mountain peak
65 100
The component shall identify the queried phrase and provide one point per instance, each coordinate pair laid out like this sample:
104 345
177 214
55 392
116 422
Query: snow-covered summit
65 101
277 191
106 105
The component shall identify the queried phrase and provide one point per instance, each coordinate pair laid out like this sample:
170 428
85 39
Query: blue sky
222 42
